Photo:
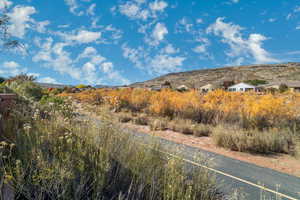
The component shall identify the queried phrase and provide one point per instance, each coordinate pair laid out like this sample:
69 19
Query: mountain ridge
198 78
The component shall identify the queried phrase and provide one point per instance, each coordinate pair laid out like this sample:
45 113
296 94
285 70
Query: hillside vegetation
46 152
198 78
248 121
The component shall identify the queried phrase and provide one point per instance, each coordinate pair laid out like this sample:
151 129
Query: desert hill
198 78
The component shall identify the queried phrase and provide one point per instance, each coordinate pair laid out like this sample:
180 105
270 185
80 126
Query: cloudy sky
124 41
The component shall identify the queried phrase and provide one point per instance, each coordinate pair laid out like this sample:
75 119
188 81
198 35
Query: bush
271 141
27 89
124 117
159 124
189 127
141 120
256 82
283 88
80 86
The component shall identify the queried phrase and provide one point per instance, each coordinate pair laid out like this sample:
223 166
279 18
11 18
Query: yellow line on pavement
223 173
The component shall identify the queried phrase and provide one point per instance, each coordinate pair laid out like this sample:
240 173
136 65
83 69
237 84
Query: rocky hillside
198 78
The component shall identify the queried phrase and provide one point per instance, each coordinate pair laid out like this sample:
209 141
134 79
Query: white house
242 87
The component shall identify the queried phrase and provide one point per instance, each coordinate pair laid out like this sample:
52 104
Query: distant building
242 87
293 86
209 87
182 88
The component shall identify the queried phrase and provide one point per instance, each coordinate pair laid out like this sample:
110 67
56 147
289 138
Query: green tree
256 82
283 88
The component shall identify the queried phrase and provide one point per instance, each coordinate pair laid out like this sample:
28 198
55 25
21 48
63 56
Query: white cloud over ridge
48 80
240 47
158 64
12 68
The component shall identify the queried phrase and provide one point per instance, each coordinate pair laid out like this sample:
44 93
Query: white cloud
83 36
200 49
11 65
11 68
231 35
73 7
199 21
159 32
162 64
235 1
169 49
41 26
106 67
154 64
54 56
272 20
298 27
20 19
133 11
91 9
112 74
5 4
48 80
158 5
139 10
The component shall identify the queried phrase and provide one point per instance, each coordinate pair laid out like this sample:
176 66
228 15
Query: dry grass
57 158
141 120
124 117
189 127
158 124
270 141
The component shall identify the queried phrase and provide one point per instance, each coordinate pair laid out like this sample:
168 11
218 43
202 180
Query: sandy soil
279 162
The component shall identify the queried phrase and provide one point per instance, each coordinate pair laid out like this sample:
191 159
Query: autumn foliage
245 109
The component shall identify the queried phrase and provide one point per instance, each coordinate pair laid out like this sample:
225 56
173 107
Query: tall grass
54 157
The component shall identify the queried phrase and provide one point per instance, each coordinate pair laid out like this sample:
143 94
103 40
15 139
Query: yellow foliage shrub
250 107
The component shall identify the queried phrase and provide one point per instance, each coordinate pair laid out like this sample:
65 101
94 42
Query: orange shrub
252 108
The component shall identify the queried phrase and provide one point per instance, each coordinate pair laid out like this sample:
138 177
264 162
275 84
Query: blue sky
124 41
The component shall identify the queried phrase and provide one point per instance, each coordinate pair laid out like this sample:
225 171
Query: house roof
209 86
242 85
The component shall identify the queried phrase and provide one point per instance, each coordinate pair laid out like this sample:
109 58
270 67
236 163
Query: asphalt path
255 181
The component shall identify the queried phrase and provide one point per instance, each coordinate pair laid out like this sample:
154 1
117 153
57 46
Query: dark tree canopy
2 80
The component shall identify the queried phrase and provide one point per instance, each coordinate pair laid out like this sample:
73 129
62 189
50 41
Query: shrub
27 89
256 82
159 124
189 127
80 86
141 120
283 88
271 141
200 130
124 117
